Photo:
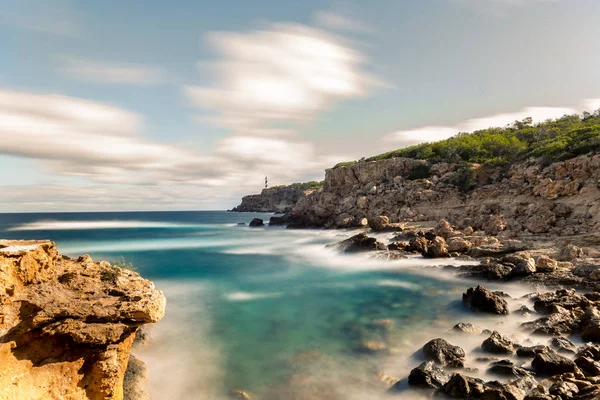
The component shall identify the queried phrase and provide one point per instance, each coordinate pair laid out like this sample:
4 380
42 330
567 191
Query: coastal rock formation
279 199
66 325
529 197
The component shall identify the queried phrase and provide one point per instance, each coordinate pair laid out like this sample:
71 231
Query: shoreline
538 371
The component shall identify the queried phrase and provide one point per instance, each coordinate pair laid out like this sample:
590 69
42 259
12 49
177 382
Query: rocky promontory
67 325
279 199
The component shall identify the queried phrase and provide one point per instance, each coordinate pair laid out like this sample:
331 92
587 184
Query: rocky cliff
67 325
275 199
528 197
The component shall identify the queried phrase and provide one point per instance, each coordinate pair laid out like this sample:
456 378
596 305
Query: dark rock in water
562 345
359 243
591 392
552 363
566 298
564 390
499 391
591 330
507 368
480 299
257 222
498 344
592 351
461 387
277 221
428 375
530 352
555 324
588 366
241 224
467 327
443 353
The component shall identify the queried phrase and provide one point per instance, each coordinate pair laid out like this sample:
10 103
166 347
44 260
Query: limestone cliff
275 199
527 197
66 325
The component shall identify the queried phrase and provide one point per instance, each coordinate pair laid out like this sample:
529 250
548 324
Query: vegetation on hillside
301 185
556 140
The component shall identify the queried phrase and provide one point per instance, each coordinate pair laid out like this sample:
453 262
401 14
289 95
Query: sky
152 105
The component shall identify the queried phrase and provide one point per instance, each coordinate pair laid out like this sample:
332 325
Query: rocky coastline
67 325
534 360
532 222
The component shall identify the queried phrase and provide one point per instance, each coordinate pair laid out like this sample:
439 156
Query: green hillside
555 140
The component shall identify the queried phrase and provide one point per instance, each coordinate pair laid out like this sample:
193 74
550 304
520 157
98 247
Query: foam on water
93 225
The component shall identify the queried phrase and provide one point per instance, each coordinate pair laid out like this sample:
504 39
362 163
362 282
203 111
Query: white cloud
434 133
284 73
100 143
338 21
116 73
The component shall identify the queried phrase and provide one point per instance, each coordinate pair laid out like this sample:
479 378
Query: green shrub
464 178
419 171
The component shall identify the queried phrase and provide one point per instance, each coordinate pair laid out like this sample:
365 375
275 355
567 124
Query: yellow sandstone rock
66 326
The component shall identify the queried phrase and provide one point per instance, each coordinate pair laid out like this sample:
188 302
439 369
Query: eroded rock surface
67 326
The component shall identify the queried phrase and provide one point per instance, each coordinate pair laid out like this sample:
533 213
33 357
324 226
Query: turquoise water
266 310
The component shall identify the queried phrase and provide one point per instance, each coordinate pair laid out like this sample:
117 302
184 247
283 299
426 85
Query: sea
268 311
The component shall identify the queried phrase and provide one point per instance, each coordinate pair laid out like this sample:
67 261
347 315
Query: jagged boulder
428 375
444 229
562 345
462 387
498 344
443 353
545 264
256 222
379 223
458 245
478 298
359 243
570 253
436 248
551 363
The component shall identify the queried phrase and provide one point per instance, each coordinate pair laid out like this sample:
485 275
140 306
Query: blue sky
139 105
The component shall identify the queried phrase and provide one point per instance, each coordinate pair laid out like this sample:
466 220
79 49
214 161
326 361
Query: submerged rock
551 363
467 327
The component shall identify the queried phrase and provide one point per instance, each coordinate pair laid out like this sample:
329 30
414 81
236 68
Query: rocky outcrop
527 197
279 199
66 325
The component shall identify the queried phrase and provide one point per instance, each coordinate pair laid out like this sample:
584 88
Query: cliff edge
279 199
562 198
67 325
